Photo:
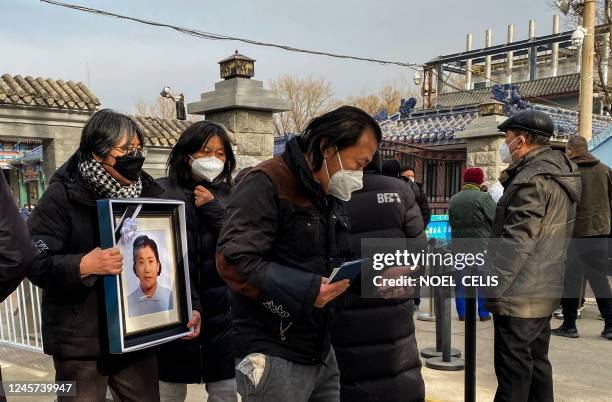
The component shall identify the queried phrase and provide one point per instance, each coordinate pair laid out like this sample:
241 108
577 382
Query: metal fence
20 322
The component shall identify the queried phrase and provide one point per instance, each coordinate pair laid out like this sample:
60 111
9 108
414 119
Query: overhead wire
213 36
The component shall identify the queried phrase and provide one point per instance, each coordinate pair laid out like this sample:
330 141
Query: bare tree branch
309 98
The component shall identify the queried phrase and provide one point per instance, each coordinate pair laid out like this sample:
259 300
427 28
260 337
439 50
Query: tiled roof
600 138
566 121
46 92
429 127
544 87
438 127
161 132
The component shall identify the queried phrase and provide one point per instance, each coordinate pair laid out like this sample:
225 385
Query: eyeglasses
133 152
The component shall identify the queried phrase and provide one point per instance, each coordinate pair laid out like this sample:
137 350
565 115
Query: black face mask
129 166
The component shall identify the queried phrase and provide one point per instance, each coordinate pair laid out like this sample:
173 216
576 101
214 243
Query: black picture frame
120 220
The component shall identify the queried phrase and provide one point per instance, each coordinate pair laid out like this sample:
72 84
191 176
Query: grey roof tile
161 132
561 84
46 92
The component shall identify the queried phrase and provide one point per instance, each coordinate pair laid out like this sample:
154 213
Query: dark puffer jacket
210 357
534 220
64 227
593 213
16 251
374 339
420 198
280 237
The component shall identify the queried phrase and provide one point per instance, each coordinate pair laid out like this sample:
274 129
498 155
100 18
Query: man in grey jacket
527 252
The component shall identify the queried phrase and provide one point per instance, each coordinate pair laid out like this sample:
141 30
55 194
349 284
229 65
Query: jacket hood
587 159
563 171
569 177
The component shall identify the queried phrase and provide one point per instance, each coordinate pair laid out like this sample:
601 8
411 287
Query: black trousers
587 260
524 373
131 377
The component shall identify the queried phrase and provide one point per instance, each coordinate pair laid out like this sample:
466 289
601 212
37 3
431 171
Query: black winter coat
280 236
594 211
64 227
534 221
421 199
16 251
210 357
374 339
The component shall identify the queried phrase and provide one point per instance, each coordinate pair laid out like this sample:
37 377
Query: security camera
166 93
578 36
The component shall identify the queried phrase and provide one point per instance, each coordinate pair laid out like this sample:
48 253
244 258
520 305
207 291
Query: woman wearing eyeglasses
71 266
200 170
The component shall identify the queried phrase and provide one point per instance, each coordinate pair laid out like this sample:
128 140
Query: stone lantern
237 65
243 106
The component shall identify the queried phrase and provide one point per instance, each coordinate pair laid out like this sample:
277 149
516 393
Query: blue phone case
349 270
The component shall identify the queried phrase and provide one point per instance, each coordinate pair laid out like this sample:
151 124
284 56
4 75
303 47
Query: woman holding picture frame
200 168
71 266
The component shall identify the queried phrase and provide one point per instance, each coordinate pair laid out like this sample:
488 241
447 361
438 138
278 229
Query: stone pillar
245 108
483 141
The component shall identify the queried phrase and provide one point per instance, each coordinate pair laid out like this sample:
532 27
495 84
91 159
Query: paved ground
582 367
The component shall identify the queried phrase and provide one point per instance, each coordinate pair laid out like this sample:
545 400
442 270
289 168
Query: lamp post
179 101
585 119
584 37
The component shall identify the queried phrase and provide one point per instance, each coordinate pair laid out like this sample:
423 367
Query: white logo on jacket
387 198
278 310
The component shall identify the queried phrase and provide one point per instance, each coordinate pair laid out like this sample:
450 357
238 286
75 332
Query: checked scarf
106 185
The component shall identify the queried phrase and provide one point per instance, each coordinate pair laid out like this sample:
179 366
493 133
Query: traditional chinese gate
439 171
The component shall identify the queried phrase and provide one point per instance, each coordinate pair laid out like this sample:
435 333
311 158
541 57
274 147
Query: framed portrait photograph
150 301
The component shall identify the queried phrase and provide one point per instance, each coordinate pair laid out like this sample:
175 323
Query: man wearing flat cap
527 252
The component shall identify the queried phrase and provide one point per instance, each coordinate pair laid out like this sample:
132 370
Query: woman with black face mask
71 266
200 170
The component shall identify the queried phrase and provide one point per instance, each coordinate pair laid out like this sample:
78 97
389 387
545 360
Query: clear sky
129 61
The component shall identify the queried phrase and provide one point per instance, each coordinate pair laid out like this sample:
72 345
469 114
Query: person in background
588 253
71 266
392 168
374 338
471 213
407 174
200 168
286 230
16 250
526 254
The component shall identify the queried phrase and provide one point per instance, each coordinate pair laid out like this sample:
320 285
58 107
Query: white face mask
344 182
207 168
504 151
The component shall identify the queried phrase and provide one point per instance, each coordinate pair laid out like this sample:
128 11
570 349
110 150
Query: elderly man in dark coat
527 253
